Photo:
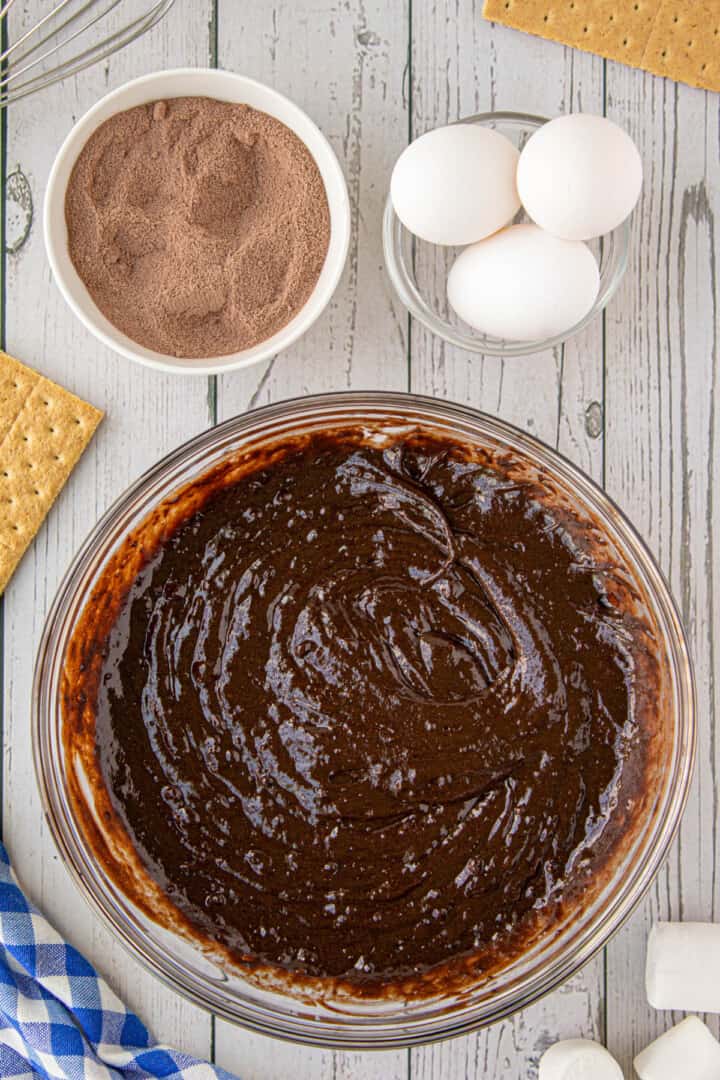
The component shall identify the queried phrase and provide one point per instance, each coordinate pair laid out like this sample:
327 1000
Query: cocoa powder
199 227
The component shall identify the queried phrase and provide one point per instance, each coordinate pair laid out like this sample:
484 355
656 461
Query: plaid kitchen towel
59 1019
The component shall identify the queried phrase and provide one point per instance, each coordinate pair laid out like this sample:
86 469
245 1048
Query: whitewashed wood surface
632 401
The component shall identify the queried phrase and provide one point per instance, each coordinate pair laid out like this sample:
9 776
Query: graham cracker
43 431
676 38
684 42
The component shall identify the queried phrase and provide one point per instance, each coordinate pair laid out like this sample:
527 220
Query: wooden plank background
632 401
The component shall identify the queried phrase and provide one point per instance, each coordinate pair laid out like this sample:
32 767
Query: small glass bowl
419 270
344 1021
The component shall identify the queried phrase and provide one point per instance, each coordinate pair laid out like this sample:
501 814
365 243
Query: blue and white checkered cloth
59 1019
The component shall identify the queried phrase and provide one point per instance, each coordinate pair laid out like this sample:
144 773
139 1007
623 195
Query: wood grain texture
661 466
645 419
256 1057
147 415
462 65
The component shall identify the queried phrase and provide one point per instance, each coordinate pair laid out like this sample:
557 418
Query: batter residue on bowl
362 710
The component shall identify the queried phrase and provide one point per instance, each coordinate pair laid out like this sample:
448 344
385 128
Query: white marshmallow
689 1051
578 1059
683 967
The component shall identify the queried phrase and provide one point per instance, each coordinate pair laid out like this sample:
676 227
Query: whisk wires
39 57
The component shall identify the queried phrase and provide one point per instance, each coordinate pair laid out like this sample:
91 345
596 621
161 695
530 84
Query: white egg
579 176
456 184
523 284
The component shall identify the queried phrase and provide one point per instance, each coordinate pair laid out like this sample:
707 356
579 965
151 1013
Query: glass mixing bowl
419 270
369 1024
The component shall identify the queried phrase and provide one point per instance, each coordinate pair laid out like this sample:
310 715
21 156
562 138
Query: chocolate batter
365 710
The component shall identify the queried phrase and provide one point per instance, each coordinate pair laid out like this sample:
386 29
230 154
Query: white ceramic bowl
225 86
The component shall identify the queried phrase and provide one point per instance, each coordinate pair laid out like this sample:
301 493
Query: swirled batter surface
367 709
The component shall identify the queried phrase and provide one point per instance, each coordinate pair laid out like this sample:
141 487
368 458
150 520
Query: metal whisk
71 36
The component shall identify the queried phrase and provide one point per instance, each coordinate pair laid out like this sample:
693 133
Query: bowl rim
324 157
393 233
401 1030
